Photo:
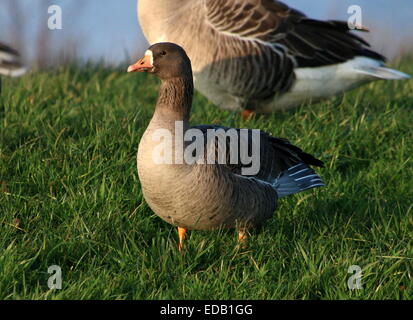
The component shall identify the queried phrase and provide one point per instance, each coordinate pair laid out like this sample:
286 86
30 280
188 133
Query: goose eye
163 53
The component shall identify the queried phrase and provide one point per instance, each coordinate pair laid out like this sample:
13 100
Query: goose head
165 60
170 63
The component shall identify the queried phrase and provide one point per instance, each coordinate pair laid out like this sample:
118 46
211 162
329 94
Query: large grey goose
210 195
262 55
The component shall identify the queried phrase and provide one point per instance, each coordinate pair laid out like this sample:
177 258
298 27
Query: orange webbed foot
247 114
182 236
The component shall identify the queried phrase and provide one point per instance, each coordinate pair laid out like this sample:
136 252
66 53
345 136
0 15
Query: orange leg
182 237
242 236
247 114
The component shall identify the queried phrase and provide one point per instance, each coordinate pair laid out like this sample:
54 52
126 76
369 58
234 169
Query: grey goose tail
296 179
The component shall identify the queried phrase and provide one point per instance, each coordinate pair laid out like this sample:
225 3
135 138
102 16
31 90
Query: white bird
261 55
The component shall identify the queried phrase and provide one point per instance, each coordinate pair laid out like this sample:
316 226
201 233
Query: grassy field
70 196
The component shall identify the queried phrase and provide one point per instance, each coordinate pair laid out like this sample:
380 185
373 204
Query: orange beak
141 65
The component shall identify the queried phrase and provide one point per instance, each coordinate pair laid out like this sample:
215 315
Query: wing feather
276 154
311 42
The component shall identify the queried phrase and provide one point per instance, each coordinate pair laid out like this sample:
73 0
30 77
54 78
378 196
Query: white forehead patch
150 54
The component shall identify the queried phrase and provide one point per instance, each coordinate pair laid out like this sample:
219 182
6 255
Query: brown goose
207 195
262 55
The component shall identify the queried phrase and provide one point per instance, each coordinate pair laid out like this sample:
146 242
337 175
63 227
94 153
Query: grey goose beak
141 65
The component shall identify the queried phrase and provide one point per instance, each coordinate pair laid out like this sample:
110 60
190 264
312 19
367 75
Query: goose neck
175 99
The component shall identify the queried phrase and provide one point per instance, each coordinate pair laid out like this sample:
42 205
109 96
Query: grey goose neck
175 98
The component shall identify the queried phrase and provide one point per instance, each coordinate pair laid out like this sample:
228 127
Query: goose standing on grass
261 55
204 195
10 64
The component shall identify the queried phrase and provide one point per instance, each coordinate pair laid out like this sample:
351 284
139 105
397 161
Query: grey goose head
170 63
165 60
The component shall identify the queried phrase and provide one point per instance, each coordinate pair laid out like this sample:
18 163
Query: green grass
68 172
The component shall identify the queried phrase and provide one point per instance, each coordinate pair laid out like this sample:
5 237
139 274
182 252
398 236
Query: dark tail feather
290 149
297 179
